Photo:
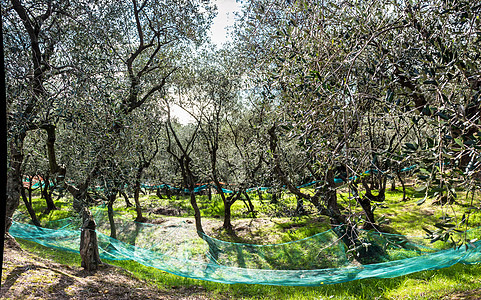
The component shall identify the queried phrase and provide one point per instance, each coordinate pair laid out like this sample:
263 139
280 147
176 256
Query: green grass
420 285
403 217
406 217
64 210
208 208
300 228
58 256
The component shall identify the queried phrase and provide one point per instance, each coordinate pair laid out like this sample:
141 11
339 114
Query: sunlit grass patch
405 217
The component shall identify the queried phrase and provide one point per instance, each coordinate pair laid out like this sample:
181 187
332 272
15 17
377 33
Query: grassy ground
457 282
273 224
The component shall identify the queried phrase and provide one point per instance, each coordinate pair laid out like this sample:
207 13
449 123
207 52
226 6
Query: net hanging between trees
175 247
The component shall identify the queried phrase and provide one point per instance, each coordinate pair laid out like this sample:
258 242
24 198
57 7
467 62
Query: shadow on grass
462 276
448 280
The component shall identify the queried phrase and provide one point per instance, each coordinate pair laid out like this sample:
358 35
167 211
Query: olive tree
347 72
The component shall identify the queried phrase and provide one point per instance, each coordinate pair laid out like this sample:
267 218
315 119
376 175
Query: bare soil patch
167 211
467 295
252 231
28 276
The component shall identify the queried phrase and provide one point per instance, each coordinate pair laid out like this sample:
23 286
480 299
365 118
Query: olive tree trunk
89 250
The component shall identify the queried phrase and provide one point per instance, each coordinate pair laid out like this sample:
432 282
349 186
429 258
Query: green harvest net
175 247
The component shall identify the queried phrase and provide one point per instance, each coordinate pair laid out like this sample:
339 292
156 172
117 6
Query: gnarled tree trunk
138 208
30 210
89 250
14 178
110 211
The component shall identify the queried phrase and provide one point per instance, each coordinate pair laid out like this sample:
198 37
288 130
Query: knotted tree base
89 249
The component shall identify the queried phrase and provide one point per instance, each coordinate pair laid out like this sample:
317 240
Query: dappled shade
175 247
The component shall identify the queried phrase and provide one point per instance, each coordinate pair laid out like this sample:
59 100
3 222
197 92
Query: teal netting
175 247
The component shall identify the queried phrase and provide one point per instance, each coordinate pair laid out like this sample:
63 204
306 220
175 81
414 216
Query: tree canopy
329 93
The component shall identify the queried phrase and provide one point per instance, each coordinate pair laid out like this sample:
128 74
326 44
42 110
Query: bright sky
218 33
225 17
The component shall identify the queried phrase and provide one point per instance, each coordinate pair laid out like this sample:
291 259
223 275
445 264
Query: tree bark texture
227 216
110 211
89 250
47 194
30 209
126 198
14 179
197 217
138 208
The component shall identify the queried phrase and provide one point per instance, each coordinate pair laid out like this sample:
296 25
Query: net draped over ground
175 247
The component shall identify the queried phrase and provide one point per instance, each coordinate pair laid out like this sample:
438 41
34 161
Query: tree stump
89 249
